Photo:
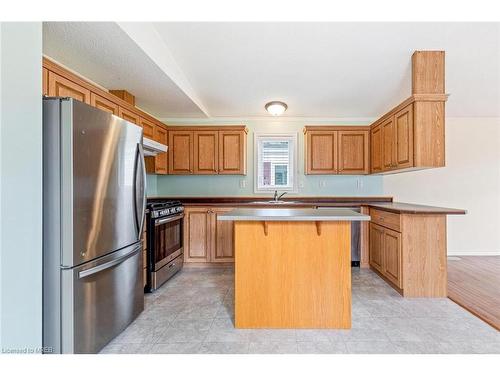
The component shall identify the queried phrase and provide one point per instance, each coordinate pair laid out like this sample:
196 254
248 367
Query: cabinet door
392 256
353 152
388 144
197 235
404 137
130 116
321 152
377 247
161 160
180 160
60 86
376 149
103 103
148 129
45 81
222 249
232 152
206 154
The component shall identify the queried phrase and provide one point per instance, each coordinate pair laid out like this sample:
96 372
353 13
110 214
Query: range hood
152 148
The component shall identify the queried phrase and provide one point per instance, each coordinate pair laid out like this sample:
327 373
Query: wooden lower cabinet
412 258
392 256
222 232
197 234
377 247
207 240
385 253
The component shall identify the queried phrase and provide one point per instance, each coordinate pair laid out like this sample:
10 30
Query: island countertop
292 214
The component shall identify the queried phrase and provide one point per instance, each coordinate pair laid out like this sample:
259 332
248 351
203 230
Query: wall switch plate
243 184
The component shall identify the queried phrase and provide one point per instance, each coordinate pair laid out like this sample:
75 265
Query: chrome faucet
278 197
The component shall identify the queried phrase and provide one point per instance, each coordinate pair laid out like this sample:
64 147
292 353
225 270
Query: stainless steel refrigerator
93 214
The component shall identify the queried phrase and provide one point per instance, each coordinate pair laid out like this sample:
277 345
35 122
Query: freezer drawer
100 300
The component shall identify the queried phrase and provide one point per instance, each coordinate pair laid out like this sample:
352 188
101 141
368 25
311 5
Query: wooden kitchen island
292 267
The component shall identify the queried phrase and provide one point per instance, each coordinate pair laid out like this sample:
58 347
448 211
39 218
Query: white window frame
293 161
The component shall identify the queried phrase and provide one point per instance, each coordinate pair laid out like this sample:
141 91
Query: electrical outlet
301 184
322 183
243 184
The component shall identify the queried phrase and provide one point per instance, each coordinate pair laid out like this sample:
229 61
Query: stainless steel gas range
165 253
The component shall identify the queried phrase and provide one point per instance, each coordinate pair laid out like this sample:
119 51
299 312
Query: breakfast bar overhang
292 267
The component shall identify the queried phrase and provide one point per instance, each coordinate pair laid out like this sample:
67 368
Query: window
275 162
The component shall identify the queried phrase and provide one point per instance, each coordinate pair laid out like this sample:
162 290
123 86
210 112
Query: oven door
168 233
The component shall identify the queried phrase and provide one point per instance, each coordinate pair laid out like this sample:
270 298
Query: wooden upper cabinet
103 103
180 151
388 144
377 247
392 256
353 152
197 224
232 150
222 241
321 152
376 149
148 129
129 115
60 86
156 164
404 137
206 152
161 160
45 81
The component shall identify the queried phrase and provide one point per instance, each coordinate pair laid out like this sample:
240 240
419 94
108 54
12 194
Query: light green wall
230 185
21 185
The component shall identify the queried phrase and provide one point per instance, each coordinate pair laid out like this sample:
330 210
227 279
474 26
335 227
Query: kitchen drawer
386 219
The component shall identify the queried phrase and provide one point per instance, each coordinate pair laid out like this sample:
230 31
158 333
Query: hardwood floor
474 283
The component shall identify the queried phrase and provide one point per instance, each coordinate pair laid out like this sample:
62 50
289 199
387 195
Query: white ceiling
105 54
322 70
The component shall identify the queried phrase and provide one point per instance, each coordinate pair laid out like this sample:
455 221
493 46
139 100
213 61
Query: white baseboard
458 253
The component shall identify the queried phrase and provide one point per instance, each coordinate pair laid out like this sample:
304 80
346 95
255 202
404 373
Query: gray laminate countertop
292 214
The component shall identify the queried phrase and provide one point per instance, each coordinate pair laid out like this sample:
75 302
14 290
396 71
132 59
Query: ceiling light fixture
276 108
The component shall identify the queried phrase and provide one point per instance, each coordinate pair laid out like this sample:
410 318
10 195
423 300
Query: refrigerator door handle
105 266
140 189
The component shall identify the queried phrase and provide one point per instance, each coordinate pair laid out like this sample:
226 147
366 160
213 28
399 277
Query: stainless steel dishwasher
355 236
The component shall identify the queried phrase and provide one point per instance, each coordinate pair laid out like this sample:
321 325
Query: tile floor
193 313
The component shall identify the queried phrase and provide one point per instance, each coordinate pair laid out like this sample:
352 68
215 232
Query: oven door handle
168 219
